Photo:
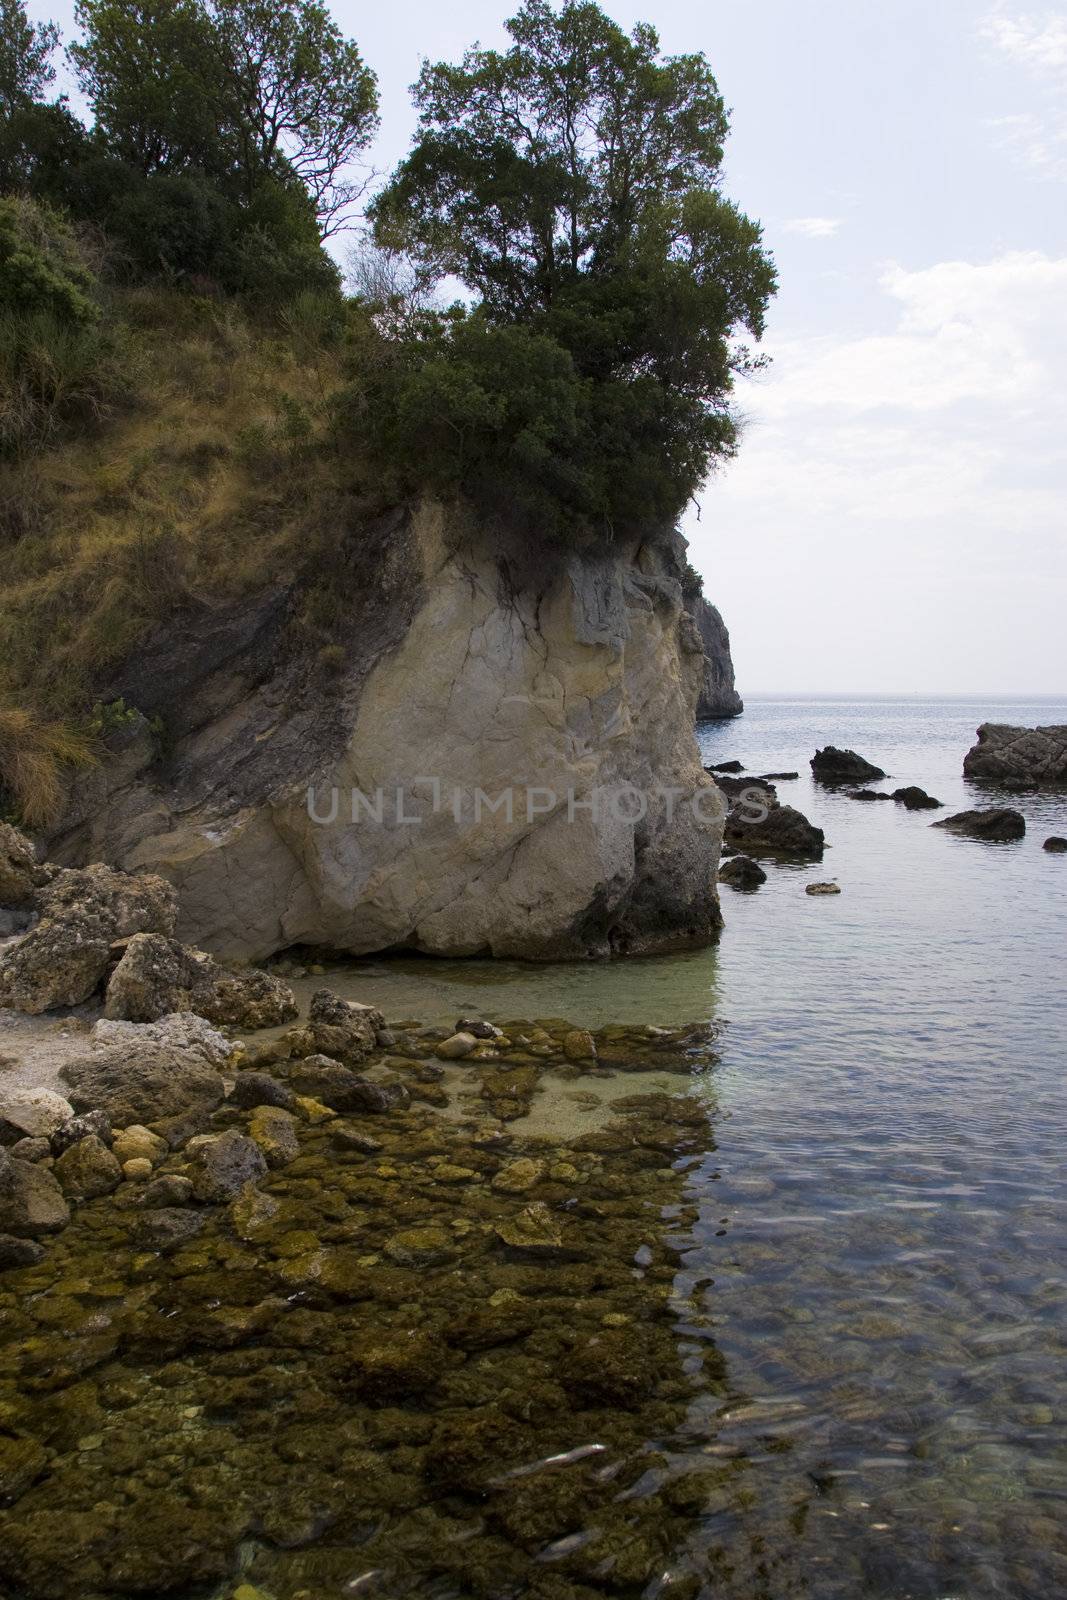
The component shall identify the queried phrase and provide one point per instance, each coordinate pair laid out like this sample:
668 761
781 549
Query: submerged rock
221 1165
867 794
912 798
741 872
999 825
832 765
1024 755
274 1131
158 976
1055 844
19 1252
455 1048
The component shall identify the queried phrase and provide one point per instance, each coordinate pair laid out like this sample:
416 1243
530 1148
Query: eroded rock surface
142 1083
585 680
158 976
1025 755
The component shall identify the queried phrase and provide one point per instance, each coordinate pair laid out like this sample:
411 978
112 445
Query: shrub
43 269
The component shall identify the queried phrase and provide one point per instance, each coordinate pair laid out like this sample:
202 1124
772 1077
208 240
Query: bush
43 269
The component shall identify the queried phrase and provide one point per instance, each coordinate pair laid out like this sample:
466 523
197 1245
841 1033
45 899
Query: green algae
378 1360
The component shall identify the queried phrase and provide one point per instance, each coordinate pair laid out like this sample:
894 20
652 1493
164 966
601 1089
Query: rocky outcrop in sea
1012 756
718 696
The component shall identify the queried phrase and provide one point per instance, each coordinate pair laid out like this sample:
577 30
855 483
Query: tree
25 57
572 183
303 95
243 90
153 74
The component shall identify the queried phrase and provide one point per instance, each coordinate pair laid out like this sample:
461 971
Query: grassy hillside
200 465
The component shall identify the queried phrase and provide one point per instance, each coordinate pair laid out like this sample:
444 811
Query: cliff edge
478 767
718 698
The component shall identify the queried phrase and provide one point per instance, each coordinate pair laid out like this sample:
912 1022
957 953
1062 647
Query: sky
896 517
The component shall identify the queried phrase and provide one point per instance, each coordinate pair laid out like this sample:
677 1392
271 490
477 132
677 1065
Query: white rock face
37 1112
182 1030
535 699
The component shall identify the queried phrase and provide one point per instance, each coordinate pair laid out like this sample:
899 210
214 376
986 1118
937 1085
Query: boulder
63 959
31 1150
36 1112
88 1169
21 874
579 1045
260 1089
31 1201
724 766
137 1170
999 825
338 1087
142 1083
343 1029
181 1030
19 1252
782 830
459 1045
274 1131
740 872
912 798
80 1127
157 976
221 1165
138 1143
1024 755
822 888
166 1228
832 765
127 903
1055 844
171 1189
57 963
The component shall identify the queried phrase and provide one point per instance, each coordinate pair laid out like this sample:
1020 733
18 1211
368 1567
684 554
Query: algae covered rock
221 1165
142 1083
21 1462
157 976
396 1363
338 1087
519 1175
167 1228
578 1045
534 1231
273 1129
88 1169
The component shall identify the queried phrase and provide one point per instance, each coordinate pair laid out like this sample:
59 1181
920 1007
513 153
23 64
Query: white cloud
910 484
813 227
1037 137
1037 42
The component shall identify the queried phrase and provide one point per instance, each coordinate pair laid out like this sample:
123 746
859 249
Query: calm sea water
880 1258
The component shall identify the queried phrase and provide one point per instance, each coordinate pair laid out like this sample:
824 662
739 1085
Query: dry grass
203 485
34 758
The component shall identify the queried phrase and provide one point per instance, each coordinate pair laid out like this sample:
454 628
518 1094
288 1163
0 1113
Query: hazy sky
897 516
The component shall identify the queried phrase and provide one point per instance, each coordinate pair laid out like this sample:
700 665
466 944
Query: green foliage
26 50
42 269
243 92
571 183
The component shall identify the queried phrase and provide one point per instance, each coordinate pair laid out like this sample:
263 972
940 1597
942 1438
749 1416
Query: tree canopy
572 184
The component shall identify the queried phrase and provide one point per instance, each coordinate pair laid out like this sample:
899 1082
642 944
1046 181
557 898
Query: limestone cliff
718 697
454 686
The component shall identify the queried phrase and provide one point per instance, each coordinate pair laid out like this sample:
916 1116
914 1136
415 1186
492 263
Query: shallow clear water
882 1239
804 1336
